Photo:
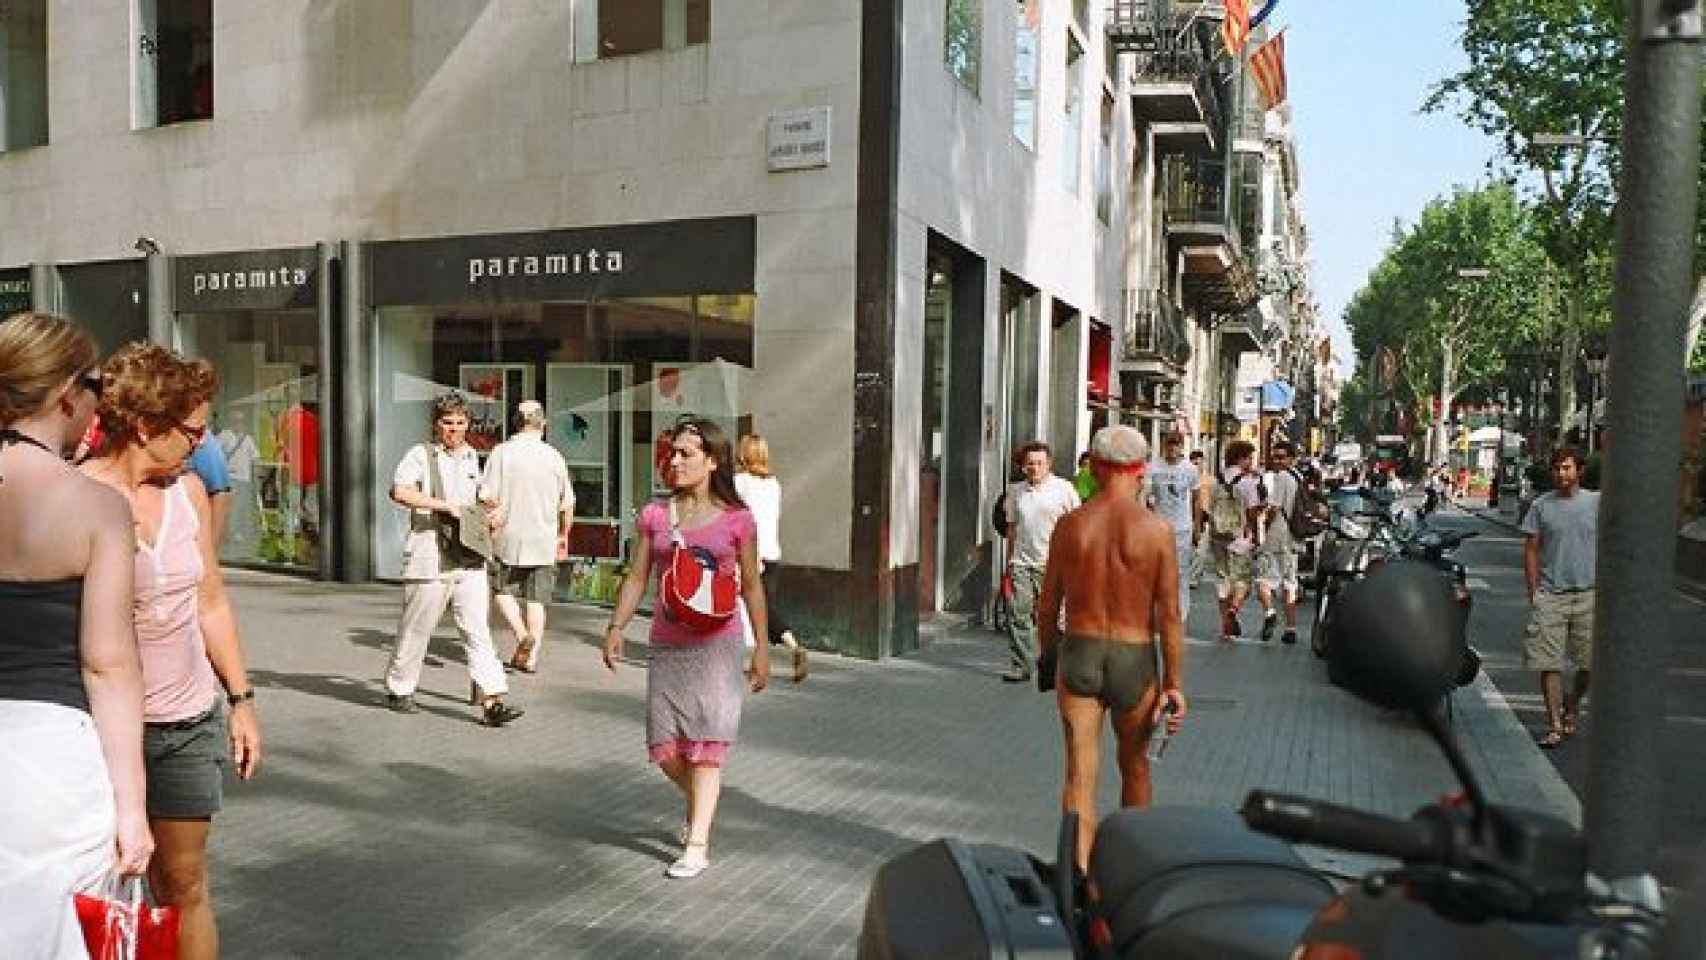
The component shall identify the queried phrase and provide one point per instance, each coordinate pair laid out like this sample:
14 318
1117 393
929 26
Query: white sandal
689 866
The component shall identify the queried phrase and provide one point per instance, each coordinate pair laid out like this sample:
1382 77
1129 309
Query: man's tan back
1113 555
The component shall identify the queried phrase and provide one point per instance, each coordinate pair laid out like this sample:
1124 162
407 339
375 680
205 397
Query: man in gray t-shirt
1558 561
1172 491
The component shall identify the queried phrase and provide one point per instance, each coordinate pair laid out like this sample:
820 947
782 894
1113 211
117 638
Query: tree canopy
1446 329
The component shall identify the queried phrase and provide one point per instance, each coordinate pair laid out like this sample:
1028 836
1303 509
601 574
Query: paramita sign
671 258
251 280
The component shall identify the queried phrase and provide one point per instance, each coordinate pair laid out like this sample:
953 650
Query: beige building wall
367 120
965 175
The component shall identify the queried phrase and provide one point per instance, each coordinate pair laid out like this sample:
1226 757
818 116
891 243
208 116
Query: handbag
118 923
694 589
469 533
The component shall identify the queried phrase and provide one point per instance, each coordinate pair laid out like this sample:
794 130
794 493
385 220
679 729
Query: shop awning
1277 396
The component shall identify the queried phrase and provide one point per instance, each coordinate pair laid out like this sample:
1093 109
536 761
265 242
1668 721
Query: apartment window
618 28
963 48
1104 161
1027 45
173 59
1072 121
23 74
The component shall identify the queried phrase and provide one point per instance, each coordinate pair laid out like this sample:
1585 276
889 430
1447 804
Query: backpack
1308 515
1226 520
694 590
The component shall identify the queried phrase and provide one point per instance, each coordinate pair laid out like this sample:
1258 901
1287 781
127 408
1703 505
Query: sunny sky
1357 75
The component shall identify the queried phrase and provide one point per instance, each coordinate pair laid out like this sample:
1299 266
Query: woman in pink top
154 411
694 685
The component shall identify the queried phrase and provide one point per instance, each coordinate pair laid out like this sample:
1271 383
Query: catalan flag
1267 65
1236 29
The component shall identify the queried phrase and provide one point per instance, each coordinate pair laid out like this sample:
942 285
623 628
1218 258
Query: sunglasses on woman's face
192 432
93 382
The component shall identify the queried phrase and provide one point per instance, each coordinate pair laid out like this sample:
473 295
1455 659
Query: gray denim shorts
185 765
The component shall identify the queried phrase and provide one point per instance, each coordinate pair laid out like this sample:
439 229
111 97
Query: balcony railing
1182 65
1139 25
1156 331
1194 191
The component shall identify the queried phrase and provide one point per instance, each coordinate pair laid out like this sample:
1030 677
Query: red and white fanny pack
694 590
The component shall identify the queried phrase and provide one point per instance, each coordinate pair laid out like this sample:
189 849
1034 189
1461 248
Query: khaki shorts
1560 629
532 584
1230 569
1278 571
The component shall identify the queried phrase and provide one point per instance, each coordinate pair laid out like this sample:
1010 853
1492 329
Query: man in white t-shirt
1172 490
1276 558
526 487
1034 505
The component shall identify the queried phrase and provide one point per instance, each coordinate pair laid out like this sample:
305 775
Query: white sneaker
689 866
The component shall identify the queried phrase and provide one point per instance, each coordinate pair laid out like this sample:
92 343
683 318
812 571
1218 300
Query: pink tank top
177 679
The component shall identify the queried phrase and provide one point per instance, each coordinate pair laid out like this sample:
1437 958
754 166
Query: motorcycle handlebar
1304 820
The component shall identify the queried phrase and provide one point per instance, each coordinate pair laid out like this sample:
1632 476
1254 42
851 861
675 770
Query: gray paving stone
375 834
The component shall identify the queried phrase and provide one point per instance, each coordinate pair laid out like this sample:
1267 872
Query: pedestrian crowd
125 698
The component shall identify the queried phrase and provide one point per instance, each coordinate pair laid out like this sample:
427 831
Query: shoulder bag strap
675 526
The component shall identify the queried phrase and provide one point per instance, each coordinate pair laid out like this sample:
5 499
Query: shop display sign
15 293
799 139
672 258
250 280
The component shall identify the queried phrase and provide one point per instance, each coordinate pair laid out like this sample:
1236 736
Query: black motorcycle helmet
1396 639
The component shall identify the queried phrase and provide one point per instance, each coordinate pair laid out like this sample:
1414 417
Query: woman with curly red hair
154 410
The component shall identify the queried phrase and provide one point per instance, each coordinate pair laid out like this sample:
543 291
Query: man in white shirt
527 489
1034 505
435 481
1276 558
1172 487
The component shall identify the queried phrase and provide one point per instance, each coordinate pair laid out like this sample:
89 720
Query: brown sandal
523 658
1569 721
1552 738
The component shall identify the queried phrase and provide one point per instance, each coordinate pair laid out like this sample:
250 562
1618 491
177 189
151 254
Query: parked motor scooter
1474 879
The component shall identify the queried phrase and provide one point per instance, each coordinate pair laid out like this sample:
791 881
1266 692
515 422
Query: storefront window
613 374
267 421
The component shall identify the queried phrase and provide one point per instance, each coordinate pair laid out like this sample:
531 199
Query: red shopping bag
118 923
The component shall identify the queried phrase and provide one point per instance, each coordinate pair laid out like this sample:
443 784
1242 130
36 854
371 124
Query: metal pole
1637 529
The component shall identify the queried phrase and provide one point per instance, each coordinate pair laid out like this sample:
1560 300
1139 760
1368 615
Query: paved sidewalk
372 834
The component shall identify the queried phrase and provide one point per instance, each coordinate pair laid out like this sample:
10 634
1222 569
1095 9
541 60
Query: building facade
889 237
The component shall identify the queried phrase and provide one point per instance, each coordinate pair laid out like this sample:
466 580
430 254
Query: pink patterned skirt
694 694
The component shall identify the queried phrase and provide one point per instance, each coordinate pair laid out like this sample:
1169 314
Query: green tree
1444 332
1539 67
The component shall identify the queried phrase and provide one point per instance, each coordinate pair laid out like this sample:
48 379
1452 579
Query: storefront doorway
1066 386
108 298
949 458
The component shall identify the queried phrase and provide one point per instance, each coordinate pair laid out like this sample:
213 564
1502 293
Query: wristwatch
235 698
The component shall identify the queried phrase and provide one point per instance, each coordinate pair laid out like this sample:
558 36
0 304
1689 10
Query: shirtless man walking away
1112 564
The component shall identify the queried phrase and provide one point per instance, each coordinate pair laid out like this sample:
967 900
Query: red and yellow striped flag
1236 29
1267 65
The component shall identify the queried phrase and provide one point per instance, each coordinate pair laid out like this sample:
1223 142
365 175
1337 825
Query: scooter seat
1151 866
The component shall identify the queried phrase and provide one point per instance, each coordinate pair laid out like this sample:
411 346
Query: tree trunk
1567 358
1442 421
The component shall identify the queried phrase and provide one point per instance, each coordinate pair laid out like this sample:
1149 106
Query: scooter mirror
1395 640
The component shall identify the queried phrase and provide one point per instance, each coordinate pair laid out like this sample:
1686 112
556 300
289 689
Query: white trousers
469 597
57 826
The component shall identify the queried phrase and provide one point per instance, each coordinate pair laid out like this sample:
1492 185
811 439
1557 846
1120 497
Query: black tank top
40 658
